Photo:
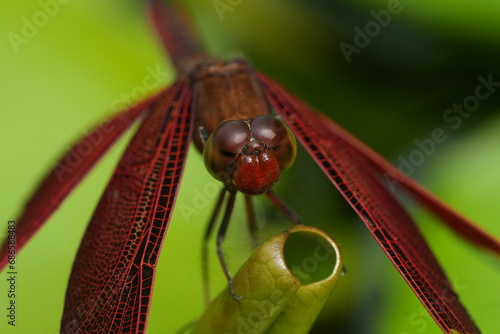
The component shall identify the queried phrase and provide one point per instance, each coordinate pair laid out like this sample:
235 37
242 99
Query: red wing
112 278
69 172
176 34
388 222
462 226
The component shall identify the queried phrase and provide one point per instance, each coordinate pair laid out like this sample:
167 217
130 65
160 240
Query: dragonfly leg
220 239
284 208
204 252
252 222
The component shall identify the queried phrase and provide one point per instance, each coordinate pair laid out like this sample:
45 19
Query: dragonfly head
248 156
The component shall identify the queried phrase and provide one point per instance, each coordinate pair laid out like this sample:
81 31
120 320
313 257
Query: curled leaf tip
284 285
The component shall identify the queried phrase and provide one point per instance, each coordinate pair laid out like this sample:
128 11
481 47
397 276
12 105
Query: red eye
276 136
223 146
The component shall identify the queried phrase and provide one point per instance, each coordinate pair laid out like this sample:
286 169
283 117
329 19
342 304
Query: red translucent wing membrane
462 226
387 221
176 34
112 279
66 175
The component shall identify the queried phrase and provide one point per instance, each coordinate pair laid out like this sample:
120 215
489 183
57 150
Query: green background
79 65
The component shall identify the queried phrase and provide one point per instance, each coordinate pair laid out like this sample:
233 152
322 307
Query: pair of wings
112 279
111 283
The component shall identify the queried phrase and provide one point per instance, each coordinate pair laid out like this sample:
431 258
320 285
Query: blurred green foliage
89 57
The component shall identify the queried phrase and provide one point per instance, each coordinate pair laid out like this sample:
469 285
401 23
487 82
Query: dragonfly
352 167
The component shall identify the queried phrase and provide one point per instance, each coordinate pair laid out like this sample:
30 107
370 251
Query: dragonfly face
246 148
112 280
249 155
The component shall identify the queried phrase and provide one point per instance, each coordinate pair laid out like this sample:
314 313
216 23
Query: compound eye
276 136
223 147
